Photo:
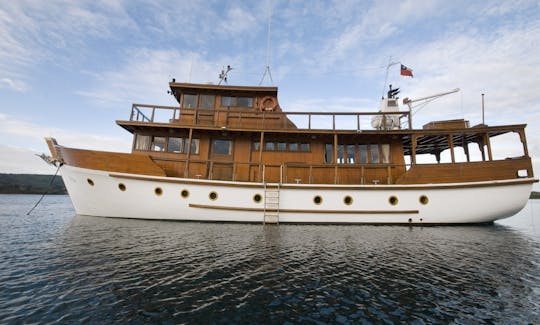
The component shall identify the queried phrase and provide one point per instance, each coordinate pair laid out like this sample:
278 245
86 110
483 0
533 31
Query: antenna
267 69
223 75
390 63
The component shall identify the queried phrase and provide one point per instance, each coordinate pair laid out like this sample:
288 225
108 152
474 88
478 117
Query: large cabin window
367 153
236 101
175 145
194 146
158 143
189 101
168 144
340 154
328 153
283 146
362 153
207 101
221 147
350 154
142 142
374 153
385 153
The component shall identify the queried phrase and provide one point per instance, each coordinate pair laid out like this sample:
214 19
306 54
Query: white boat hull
99 193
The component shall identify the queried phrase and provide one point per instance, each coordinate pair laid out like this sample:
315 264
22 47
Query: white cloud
19 131
33 32
16 85
238 21
23 161
145 74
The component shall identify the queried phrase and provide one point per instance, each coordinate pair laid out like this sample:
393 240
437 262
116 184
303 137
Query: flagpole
390 63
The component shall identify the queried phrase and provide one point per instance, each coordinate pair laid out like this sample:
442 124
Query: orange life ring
268 103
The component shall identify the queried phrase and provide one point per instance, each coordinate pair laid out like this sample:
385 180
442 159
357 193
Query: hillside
30 184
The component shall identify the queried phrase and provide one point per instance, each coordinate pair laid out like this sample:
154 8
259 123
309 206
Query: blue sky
68 69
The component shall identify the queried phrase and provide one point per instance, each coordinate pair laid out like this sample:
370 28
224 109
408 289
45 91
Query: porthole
257 198
213 196
90 182
317 199
158 191
347 200
393 200
184 194
423 199
121 187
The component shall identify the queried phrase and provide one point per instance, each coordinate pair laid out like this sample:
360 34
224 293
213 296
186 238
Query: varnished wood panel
110 161
466 172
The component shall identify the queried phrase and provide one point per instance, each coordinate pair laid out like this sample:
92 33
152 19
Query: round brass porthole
347 200
393 200
158 191
184 194
121 187
317 199
257 198
90 182
213 196
423 199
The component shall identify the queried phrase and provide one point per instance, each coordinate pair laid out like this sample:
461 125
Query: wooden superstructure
241 134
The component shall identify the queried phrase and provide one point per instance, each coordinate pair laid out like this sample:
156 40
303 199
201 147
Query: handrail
248 118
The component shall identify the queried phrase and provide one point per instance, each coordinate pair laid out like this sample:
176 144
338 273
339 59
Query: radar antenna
224 74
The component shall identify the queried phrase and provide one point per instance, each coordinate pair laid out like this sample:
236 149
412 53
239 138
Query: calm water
58 267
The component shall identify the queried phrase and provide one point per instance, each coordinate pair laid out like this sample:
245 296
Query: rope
47 190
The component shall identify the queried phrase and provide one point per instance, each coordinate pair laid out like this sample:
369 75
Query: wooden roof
220 88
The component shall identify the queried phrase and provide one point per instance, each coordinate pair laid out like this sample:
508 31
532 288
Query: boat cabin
238 133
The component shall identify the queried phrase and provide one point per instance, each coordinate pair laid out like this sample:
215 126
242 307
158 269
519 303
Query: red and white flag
406 71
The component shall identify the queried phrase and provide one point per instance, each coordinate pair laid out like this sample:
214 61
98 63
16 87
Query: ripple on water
57 267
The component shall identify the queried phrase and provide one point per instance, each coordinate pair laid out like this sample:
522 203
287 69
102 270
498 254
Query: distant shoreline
39 184
31 184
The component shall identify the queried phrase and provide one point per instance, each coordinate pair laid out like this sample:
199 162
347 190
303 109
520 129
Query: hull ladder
271 204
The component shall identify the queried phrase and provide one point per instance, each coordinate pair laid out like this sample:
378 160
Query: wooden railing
238 118
288 173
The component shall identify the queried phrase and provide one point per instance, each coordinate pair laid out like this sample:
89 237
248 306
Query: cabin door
221 165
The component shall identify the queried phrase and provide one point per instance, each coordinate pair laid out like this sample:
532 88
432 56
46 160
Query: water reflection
234 272
73 269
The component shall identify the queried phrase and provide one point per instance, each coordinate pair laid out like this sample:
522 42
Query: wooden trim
219 207
330 187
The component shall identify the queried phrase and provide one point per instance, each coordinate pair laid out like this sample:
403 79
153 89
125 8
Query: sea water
56 266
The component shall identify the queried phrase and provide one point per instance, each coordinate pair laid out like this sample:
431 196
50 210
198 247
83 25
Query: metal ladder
271 203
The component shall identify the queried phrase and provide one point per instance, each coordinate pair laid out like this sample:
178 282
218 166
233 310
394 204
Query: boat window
207 101
281 146
350 154
222 147
190 101
341 154
194 146
293 146
385 153
236 101
142 142
245 102
269 146
304 147
158 144
328 153
374 152
362 153
175 145
256 146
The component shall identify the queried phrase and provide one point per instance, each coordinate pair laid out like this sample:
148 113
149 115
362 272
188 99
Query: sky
69 69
